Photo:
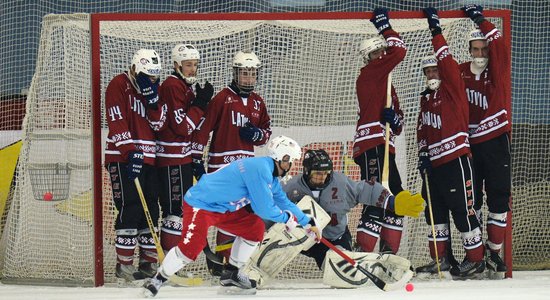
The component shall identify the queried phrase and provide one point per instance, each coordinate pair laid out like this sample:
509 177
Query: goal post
310 63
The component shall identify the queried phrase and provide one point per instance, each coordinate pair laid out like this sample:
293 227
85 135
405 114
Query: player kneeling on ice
319 189
236 198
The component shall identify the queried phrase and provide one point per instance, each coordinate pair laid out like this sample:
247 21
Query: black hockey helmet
317 160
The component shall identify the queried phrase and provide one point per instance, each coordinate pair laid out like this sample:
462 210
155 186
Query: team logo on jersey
477 99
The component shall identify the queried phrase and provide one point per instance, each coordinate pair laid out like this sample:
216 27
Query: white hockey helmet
246 59
476 35
430 61
369 45
281 146
183 52
147 61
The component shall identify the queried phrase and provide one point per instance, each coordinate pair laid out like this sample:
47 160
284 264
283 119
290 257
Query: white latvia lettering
238 119
431 119
478 99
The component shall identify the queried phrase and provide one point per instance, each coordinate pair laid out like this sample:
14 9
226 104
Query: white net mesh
308 82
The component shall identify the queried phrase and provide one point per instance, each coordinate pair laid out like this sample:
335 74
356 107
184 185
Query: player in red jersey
184 113
488 89
381 56
133 114
238 119
444 158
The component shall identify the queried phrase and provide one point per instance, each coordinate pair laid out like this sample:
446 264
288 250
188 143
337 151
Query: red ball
409 287
48 196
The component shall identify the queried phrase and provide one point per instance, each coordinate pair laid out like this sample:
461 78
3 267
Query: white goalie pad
279 247
394 270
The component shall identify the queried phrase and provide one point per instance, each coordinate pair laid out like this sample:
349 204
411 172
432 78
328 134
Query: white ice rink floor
532 285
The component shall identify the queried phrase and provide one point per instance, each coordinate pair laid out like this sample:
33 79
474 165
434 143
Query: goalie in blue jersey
236 198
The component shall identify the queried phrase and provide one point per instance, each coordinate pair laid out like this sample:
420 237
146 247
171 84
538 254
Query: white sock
173 262
241 251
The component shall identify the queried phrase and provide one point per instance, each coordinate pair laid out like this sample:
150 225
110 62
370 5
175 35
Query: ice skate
152 287
495 265
128 275
468 270
234 282
430 271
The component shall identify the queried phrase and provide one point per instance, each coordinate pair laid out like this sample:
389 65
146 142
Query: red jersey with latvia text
443 119
226 113
489 92
131 125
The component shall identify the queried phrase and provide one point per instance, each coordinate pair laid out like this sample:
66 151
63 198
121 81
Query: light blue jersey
242 182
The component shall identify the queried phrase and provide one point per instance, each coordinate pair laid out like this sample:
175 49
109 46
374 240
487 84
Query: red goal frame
95 24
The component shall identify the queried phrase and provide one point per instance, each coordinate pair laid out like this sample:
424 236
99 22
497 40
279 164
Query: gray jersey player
337 194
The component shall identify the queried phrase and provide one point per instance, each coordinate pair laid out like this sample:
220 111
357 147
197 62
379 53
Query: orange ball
409 287
48 196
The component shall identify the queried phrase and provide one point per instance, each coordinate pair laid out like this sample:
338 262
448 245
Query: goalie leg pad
393 269
279 247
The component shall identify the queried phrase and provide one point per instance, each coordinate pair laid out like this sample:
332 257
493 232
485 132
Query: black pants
492 165
451 189
174 182
130 210
319 251
371 163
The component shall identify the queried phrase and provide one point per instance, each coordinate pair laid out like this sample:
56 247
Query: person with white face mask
487 82
444 159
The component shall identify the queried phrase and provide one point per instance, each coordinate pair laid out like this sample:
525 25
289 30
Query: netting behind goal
309 66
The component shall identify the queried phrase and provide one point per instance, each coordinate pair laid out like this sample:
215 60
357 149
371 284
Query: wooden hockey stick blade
211 256
377 281
185 281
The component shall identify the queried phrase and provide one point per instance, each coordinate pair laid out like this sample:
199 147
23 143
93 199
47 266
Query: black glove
204 95
148 89
135 164
474 12
424 163
433 20
198 168
391 117
251 133
380 19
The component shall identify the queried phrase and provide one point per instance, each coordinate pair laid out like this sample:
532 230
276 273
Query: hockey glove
406 204
251 133
474 12
135 164
424 163
433 20
392 118
313 230
380 19
291 223
198 168
204 95
148 89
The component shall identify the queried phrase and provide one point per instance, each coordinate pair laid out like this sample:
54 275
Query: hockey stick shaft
434 237
377 281
174 278
156 240
386 166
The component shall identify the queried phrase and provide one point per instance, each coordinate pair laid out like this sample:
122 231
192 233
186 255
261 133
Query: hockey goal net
310 64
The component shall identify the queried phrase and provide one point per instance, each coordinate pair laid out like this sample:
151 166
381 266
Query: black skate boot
148 269
127 273
430 270
152 287
468 270
495 265
236 283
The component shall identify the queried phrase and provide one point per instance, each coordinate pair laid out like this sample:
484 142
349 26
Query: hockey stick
160 253
377 281
432 224
386 166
